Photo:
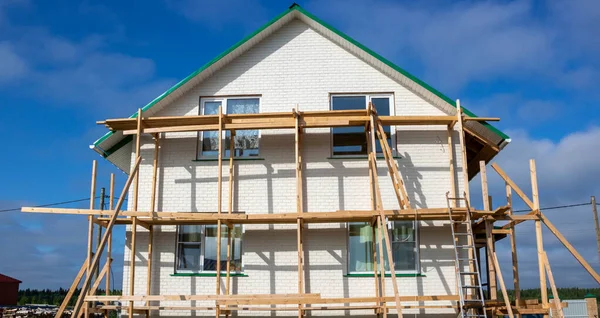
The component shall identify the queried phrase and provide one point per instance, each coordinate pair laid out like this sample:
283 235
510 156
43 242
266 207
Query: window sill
208 274
227 159
386 275
359 157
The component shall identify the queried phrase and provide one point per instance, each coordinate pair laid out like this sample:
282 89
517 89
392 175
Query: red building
9 290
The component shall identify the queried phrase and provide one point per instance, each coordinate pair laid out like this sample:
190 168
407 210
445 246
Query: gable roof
8 279
111 142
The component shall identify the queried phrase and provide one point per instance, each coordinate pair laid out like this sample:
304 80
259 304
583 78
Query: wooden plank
312 300
72 289
177 297
138 144
538 234
569 247
492 283
299 207
102 274
110 225
397 181
379 279
149 261
463 149
219 198
556 299
513 185
501 281
381 218
132 264
484 187
230 210
513 248
91 221
111 202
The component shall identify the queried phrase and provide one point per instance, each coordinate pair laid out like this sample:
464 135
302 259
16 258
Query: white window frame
223 101
202 252
368 98
417 269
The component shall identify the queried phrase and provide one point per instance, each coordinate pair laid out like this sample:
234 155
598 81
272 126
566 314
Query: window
352 141
246 141
404 247
197 248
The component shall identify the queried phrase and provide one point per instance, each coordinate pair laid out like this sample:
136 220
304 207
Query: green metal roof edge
198 71
331 28
397 68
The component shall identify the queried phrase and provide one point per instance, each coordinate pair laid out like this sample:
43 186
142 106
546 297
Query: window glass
246 141
349 140
197 248
210 139
382 106
404 247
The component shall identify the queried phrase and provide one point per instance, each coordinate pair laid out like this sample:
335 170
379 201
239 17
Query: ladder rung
468 273
451 198
466 259
464 246
474 315
473 301
471 286
462 233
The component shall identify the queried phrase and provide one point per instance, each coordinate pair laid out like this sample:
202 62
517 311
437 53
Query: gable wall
297 66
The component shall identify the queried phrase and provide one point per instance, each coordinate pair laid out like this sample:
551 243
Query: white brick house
297 61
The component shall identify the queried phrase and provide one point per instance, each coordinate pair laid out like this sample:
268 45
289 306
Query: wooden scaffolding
382 302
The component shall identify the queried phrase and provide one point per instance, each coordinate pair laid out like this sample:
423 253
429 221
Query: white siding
297 66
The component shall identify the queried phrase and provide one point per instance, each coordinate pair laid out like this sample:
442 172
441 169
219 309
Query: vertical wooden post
111 201
463 149
379 280
595 211
513 248
502 286
299 207
229 211
381 218
132 264
489 237
538 233
219 204
592 306
138 144
91 228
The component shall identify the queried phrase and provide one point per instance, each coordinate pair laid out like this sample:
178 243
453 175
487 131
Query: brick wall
296 66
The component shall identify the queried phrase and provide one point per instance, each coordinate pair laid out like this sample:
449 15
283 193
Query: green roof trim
296 7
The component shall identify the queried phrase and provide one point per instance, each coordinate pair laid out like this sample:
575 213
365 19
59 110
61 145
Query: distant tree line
52 297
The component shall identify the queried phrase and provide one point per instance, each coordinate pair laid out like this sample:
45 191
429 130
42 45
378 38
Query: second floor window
352 141
197 248
246 141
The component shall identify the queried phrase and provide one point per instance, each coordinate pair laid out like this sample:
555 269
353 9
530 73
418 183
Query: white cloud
466 42
567 172
12 66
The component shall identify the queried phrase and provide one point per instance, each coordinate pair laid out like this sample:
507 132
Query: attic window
352 141
246 141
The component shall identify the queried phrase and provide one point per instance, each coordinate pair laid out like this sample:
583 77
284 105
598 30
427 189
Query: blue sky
535 64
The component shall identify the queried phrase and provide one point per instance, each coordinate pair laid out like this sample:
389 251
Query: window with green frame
405 251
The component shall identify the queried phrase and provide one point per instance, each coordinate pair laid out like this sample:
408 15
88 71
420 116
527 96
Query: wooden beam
219 203
102 274
492 283
556 299
110 225
487 206
379 279
397 181
513 248
132 264
72 289
513 185
463 149
230 210
138 144
149 262
111 202
299 206
538 234
381 219
502 286
569 247
91 221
